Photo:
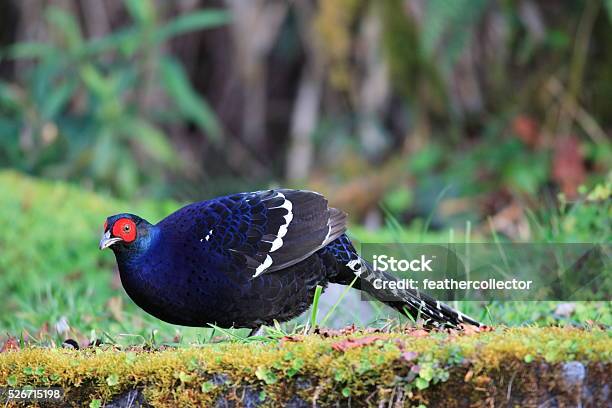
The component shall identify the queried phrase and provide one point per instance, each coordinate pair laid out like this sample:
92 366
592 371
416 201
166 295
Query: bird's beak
107 241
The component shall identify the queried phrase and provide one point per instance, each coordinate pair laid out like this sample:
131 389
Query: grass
55 284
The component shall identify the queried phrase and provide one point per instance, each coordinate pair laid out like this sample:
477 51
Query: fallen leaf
527 129
468 376
469 329
291 339
511 221
352 343
11 344
336 332
568 165
482 380
409 355
418 333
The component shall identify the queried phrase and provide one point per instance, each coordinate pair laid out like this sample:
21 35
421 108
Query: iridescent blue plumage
245 260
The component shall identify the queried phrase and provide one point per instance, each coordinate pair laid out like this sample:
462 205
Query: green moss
310 369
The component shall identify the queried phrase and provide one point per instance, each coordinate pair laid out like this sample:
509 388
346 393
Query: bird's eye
125 229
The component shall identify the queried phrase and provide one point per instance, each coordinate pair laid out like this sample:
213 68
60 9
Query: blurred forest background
477 108
427 121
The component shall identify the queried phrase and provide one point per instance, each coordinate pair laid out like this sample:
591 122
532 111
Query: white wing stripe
261 268
282 231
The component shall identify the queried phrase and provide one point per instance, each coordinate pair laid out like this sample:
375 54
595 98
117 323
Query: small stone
220 379
574 373
565 309
62 325
70 344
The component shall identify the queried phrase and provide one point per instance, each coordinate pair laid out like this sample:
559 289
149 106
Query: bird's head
123 231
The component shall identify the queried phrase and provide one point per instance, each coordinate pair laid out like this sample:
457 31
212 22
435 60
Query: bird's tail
418 304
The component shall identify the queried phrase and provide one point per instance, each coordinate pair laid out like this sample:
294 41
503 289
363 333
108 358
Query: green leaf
184 377
152 140
297 364
112 380
608 6
528 358
266 375
104 151
126 177
399 199
118 40
9 96
12 380
57 99
426 159
346 392
67 25
95 403
189 103
421 383
96 82
29 50
449 24
142 11
130 357
192 21
207 386
426 372
193 364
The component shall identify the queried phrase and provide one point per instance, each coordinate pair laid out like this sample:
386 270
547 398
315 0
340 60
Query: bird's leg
257 331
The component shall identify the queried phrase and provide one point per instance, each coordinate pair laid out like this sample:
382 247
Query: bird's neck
132 255
138 269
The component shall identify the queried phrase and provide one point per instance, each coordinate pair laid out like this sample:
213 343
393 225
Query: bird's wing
267 230
285 227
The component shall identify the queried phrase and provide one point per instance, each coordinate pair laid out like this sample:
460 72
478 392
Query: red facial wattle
125 229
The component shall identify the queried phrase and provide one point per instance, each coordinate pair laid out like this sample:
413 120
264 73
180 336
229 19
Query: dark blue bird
247 259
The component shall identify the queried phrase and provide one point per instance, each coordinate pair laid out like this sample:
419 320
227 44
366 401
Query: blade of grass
498 243
342 295
227 332
433 211
315 307
468 232
489 315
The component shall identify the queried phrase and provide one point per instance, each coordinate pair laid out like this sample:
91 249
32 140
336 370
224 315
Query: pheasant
247 259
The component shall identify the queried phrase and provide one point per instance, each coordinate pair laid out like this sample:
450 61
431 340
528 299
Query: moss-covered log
506 367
